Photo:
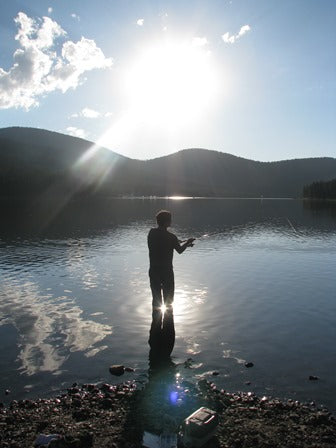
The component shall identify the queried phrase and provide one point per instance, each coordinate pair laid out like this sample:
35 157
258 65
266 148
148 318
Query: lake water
258 286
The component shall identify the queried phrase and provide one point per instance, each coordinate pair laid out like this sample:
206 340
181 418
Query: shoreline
113 416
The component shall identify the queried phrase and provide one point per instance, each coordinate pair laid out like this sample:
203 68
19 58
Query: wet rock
249 364
129 369
313 378
7 392
203 384
215 373
117 370
73 390
106 387
247 383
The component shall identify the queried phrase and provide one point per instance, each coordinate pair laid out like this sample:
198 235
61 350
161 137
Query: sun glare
171 82
163 308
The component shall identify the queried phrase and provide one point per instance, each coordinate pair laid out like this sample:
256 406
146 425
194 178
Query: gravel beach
113 416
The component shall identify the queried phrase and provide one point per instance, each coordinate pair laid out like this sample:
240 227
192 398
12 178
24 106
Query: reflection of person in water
161 245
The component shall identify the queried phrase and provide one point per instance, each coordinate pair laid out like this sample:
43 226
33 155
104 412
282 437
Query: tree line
320 190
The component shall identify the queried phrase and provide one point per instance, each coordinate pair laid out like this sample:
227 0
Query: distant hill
35 162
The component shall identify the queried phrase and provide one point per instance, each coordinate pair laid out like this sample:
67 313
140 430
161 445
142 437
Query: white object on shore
166 440
43 440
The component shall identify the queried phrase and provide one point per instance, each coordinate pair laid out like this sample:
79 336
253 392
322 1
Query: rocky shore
110 416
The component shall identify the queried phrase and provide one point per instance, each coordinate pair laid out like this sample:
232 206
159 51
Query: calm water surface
259 286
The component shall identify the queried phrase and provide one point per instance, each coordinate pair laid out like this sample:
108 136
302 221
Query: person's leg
156 287
168 288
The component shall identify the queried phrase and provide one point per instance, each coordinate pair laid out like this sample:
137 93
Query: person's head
163 218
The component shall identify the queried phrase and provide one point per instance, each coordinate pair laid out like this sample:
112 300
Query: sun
171 82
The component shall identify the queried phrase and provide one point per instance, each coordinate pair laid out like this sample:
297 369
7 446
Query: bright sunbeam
163 309
94 166
171 81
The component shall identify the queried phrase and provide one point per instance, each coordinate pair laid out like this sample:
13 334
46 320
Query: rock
313 378
117 370
202 384
107 403
247 383
76 403
81 414
129 369
106 388
73 390
249 364
215 373
7 392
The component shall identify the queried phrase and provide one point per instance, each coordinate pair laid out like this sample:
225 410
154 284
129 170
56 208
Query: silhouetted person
161 245
161 336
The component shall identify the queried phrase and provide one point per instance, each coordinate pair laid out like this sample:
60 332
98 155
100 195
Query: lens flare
163 308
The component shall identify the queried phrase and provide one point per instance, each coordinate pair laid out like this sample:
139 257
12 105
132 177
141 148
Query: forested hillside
36 162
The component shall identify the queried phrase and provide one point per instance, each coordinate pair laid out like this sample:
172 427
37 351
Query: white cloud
90 113
76 132
200 41
244 29
231 39
50 10
37 67
75 16
140 22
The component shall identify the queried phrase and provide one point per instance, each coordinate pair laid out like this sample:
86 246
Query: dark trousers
162 286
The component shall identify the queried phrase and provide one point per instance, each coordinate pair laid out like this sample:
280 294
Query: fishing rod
206 235
292 226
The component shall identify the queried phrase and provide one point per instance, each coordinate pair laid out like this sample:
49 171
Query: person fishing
161 245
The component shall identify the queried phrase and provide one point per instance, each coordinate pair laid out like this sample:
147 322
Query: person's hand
190 242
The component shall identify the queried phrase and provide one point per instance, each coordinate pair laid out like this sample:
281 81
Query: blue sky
254 78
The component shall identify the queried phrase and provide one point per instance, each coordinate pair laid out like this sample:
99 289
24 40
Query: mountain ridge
33 160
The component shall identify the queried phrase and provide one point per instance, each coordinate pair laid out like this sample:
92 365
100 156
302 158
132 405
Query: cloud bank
76 132
231 39
41 65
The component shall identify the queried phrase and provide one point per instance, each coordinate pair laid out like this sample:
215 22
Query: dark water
259 286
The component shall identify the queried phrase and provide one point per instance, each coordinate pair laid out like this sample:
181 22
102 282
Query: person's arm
180 248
